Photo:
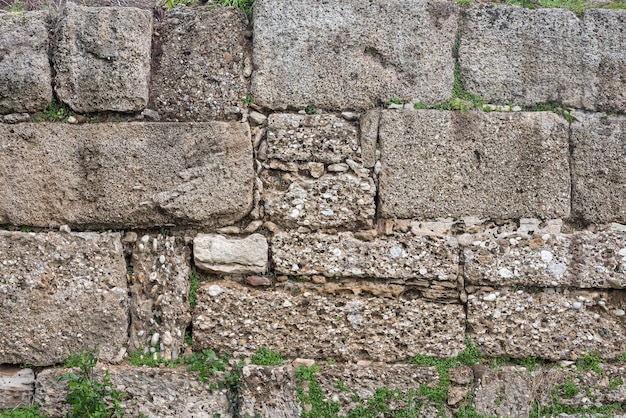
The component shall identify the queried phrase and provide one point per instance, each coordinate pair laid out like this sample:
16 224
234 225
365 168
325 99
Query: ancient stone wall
364 185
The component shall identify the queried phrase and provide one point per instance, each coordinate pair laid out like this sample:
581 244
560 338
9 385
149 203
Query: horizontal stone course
125 175
454 164
61 293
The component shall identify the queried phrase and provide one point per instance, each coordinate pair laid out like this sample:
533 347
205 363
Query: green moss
591 361
194 282
567 390
207 363
54 113
266 357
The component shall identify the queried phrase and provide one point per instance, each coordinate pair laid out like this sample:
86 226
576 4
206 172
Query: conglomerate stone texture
124 175
311 323
101 58
25 75
305 56
201 61
61 292
453 164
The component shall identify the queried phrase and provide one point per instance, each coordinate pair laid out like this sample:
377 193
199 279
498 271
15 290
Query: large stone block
156 392
201 61
349 55
506 392
125 175
334 200
159 294
313 323
25 77
599 167
454 164
61 293
101 58
226 255
549 324
17 387
347 254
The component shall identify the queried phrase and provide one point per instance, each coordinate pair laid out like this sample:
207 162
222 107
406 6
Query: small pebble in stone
162 259
287 304
145 239
153 350
303 362
338 168
72 120
577 305
258 281
618 312
327 212
151 114
155 245
490 297
130 237
65 228
377 167
505 273
155 339
214 290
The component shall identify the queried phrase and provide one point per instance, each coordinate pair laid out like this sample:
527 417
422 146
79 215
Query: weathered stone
599 167
314 324
348 62
61 293
159 293
550 324
321 138
162 392
343 255
25 77
334 200
507 392
17 387
582 259
227 255
369 136
199 66
501 165
101 58
125 175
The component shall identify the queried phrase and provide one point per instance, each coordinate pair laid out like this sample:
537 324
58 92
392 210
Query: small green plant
170 4
615 383
23 412
567 390
393 101
16 7
194 282
266 357
26 229
54 113
310 110
247 100
139 358
419 106
551 107
207 363
622 357
89 396
246 6
590 361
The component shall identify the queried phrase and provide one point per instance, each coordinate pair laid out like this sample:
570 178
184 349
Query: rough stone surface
101 58
500 165
159 292
125 175
599 167
507 392
61 293
549 324
305 54
333 200
312 323
369 136
321 138
157 392
228 255
17 387
201 61
345 254
582 259
25 78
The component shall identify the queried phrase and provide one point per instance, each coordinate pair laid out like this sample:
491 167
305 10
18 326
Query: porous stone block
125 175
17 387
582 259
162 392
159 289
343 55
599 167
437 164
101 57
229 255
549 324
347 254
201 64
272 391
25 76
506 392
321 138
334 200
312 323
61 293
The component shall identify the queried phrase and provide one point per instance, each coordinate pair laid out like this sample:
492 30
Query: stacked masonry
359 234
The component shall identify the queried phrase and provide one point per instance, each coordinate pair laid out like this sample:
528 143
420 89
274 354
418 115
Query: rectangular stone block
342 200
582 259
229 255
201 64
438 164
158 392
17 387
60 293
101 57
599 167
233 318
159 292
361 255
343 55
25 75
549 324
125 175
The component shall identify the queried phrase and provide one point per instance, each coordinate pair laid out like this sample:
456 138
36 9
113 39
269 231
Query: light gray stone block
17 387
229 255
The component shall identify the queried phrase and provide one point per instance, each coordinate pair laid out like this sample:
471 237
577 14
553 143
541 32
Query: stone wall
315 184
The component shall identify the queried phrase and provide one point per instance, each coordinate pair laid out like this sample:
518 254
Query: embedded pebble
577 305
155 339
65 228
162 259
490 297
287 304
214 290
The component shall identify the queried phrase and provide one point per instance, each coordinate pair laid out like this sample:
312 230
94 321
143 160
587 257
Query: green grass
266 357
23 412
139 358
54 113
591 361
567 390
207 363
